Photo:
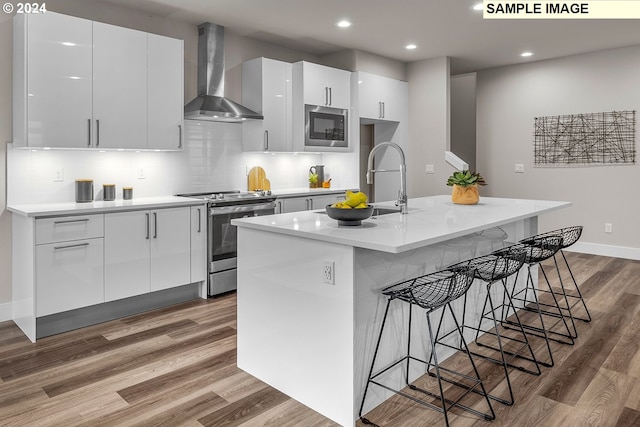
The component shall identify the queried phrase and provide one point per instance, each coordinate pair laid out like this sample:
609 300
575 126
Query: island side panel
23 275
376 270
295 332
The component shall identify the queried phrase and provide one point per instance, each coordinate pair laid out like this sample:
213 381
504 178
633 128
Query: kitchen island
309 302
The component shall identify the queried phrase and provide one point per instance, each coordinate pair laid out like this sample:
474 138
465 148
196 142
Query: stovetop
231 197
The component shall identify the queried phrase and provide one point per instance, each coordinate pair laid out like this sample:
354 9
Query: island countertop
430 220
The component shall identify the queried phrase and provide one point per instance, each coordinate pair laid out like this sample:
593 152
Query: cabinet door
119 87
369 99
165 92
127 237
59 81
295 204
382 98
320 202
326 86
198 243
267 89
69 275
395 98
170 248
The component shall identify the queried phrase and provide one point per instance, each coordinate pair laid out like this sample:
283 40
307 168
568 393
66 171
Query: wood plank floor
176 366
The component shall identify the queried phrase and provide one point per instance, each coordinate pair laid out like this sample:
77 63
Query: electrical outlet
429 169
519 168
328 273
142 174
58 176
608 227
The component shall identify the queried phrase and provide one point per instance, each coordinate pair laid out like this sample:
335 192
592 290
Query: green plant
465 178
313 178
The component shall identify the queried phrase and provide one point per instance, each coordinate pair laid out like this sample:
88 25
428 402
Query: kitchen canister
108 192
84 190
127 193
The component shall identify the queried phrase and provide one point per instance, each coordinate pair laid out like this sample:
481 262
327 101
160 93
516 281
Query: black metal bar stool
430 292
493 268
538 249
570 235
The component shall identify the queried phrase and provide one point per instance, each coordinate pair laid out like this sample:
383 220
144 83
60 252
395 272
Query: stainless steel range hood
210 104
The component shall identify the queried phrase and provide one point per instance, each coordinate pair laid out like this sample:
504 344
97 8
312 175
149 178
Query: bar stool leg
542 330
433 361
373 362
558 314
505 355
575 283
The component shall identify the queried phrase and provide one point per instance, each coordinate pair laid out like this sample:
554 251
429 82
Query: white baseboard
606 250
6 313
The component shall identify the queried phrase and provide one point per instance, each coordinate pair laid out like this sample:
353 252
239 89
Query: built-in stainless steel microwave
325 127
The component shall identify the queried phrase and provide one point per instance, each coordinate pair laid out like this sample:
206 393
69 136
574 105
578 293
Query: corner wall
508 100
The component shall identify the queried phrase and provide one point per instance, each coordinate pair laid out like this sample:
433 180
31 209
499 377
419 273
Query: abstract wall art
607 138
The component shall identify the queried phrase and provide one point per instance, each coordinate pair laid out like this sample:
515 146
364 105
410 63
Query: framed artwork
607 138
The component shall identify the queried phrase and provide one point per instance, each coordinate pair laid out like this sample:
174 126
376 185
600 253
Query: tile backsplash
212 160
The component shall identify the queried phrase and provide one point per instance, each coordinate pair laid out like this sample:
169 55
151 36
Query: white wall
428 126
508 100
463 118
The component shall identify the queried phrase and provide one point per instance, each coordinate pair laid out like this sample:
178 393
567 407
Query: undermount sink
384 211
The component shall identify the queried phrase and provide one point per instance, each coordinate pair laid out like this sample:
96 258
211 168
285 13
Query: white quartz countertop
430 220
99 206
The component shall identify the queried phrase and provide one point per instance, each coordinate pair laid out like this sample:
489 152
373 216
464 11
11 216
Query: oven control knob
220 196
268 192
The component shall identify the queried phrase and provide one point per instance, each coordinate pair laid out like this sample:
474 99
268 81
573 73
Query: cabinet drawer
62 229
69 275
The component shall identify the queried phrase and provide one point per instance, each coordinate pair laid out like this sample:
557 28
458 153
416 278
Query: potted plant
465 187
313 180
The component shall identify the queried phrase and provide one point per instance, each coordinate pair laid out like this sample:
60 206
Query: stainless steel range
222 239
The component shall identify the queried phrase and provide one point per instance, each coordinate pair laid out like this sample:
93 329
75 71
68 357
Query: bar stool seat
430 292
493 268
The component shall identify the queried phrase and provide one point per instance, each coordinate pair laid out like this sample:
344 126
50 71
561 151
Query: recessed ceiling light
526 54
344 24
478 6
410 46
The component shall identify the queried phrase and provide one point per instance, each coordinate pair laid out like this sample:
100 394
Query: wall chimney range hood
210 104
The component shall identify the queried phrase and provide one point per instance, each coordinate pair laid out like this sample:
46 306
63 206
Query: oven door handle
220 210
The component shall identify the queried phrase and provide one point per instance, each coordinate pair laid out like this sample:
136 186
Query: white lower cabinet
68 263
306 203
69 275
127 254
170 248
146 251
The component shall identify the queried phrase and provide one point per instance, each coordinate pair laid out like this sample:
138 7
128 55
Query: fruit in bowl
352 210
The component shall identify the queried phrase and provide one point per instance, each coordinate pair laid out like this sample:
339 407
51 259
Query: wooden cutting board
257 179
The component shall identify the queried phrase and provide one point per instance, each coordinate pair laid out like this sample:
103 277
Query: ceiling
383 27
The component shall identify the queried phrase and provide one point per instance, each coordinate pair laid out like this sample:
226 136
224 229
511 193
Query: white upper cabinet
321 85
381 98
52 81
85 84
119 87
165 92
267 89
